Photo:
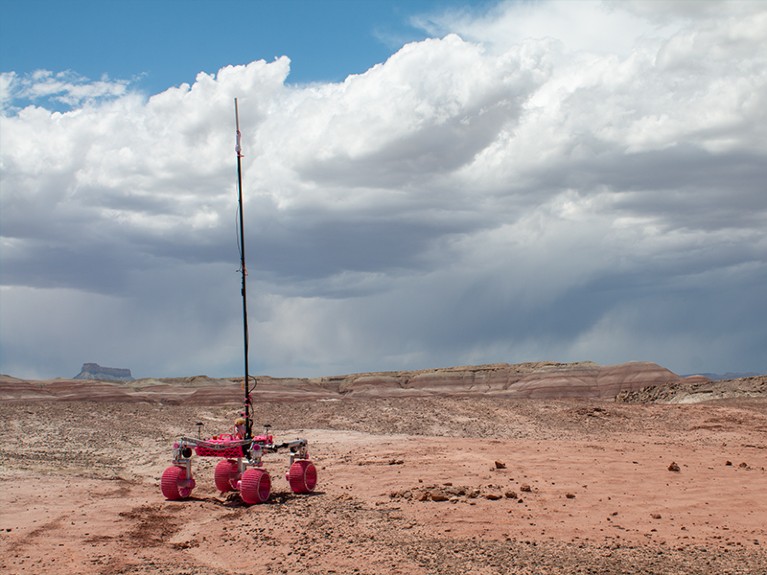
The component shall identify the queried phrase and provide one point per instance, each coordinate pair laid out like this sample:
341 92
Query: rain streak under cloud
542 181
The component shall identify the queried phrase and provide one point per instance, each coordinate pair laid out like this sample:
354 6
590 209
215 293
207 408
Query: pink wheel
174 483
255 486
226 475
302 476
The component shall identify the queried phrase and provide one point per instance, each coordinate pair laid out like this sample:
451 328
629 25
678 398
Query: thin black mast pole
244 271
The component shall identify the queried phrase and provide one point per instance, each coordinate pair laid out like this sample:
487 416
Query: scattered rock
452 493
406 494
456 491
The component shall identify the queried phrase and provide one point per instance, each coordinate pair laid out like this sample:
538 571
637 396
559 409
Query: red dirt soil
429 485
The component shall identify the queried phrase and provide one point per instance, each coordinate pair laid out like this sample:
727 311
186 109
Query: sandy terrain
434 485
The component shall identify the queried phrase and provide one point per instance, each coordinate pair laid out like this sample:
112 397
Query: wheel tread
255 486
225 475
302 476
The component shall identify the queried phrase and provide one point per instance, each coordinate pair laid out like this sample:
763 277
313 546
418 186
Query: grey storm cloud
554 180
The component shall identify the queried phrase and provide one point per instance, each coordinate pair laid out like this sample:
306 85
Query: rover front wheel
255 486
174 483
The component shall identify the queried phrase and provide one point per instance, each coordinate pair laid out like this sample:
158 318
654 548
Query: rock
500 465
674 467
696 389
404 494
438 495
456 491
525 488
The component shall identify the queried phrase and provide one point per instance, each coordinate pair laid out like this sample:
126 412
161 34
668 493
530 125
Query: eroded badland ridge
628 382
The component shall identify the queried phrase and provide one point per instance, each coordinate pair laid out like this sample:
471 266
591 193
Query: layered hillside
539 380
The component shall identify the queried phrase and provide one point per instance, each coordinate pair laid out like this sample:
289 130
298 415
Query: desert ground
407 485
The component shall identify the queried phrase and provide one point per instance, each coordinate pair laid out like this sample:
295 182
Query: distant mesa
94 371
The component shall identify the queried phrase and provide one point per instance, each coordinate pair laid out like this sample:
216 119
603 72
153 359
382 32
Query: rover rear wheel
226 475
302 476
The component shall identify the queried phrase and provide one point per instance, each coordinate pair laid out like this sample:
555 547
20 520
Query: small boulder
438 495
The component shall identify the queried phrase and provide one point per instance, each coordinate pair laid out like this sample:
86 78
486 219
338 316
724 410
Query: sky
426 184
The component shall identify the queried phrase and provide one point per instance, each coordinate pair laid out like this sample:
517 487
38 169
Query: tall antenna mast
244 272
245 475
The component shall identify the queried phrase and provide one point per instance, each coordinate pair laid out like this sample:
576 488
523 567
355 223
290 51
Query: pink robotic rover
241 468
